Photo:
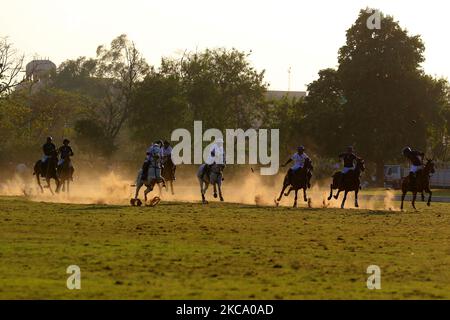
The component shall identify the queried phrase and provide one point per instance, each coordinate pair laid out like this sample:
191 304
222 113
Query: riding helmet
406 150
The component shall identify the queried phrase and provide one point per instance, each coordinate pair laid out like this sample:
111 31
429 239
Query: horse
297 180
153 177
65 174
214 177
168 172
348 182
421 184
47 171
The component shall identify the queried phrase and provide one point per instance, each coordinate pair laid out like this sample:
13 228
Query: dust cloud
250 188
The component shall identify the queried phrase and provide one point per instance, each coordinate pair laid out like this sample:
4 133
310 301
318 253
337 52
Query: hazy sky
303 35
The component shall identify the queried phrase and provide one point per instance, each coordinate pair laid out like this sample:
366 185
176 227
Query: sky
303 36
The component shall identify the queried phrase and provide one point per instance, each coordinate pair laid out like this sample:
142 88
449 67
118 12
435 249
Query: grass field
221 251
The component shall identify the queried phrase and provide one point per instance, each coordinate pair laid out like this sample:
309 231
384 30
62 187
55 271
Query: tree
159 107
222 88
121 67
110 81
390 102
324 113
288 115
10 65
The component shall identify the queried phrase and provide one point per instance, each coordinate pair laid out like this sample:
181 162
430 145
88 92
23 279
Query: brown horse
48 171
348 182
421 184
65 174
297 180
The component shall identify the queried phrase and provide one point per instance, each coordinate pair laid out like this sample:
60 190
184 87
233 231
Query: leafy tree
379 99
159 107
324 113
222 88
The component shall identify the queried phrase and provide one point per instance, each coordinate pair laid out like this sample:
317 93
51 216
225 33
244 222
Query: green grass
221 251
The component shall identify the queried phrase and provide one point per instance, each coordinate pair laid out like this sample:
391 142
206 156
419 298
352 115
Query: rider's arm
287 162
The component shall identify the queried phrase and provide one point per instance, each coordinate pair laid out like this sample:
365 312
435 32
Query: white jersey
150 151
299 160
216 155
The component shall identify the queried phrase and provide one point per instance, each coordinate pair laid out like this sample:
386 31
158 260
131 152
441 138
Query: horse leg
295 199
49 186
215 190
146 192
281 193
430 193
203 188
219 185
331 192
423 196
403 199
305 198
414 200
343 200
39 182
356 198
171 187
289 191
337 194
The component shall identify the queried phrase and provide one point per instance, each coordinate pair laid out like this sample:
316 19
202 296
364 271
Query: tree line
377 99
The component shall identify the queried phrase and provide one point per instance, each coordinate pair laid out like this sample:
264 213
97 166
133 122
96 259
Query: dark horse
168 172
297 180
65 173
348 182
47 170
421 184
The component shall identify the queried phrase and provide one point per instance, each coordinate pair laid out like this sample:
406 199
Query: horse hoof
215 195
138 202
286 194
356 206
132 202
329 198
429 204
221 199
305 199
336 197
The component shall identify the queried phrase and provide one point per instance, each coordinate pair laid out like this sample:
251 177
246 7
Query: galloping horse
153 177
168 172
214 178
422 184
65 173
298 180
348 182
48 171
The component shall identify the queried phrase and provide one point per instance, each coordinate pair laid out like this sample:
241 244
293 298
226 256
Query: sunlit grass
221 251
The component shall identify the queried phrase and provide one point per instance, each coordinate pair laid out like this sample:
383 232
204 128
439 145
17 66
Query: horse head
429 166
360 164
